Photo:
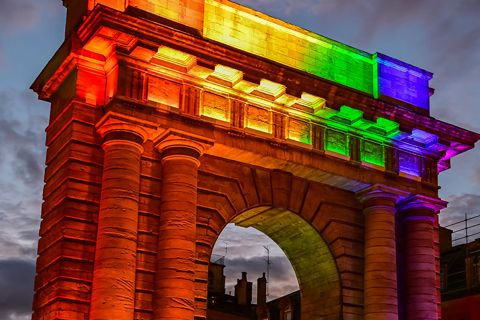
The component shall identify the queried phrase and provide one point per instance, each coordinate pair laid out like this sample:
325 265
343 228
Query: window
287 312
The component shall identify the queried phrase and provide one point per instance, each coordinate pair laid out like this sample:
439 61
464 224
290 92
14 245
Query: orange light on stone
127 230
113 284
175 264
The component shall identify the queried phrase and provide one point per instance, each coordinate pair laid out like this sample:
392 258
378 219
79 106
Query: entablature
238 94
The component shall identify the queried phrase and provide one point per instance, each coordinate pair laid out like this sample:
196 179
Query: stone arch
229 191
310 256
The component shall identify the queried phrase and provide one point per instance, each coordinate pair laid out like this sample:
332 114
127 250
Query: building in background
222 306
287 307
460 276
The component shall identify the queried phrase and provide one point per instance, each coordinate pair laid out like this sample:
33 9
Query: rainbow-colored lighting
375 74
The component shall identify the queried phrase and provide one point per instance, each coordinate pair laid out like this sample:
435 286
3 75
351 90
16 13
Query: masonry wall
286 147
70 210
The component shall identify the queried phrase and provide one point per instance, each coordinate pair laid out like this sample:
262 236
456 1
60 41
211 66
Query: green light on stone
373 153
297 48
351 114
375 75
305 139
336 141
362 124
391 127
347 115
375 137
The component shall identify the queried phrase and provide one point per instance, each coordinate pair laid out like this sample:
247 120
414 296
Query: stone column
380 276
175 266
420 279
113 286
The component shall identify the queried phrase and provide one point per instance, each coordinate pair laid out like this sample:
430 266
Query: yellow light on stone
269 90
225 76
310 103
287 44
174 59
258 119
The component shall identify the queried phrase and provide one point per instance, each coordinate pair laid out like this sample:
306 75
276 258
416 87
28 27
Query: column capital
428 207
176 142
380 191
117 126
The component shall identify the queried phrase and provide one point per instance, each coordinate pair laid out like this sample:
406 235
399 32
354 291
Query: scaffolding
466 222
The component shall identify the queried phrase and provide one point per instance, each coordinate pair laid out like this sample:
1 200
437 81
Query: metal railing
465 229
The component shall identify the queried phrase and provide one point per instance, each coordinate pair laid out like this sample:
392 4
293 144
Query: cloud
19 225
16 279
282 278
27 168
455 214
21 132
22 157
246 253
15 15
256 266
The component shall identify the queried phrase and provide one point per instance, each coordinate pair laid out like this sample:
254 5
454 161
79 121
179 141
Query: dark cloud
280 268
282 278
19 225
16 281
21 132
22 157
246 253
29 234
459 205
27 167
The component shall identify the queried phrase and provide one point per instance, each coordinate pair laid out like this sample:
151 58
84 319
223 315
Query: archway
312 261
323 217
247 250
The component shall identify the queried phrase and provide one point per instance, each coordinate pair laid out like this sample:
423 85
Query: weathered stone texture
202 126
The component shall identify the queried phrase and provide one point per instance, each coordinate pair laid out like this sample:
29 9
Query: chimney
243 291
262 291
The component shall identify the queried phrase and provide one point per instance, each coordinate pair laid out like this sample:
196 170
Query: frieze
164 92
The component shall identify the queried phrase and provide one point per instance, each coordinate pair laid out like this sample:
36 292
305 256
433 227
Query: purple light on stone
419 218
409 163
402 81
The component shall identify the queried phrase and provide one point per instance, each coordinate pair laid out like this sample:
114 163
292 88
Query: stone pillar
175 266
380 277
420 279
113 286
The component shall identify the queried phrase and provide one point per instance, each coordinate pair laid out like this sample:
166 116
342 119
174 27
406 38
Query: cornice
208 51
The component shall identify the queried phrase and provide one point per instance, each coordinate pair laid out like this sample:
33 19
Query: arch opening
313 264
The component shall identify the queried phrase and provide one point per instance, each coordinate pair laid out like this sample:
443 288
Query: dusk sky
441 36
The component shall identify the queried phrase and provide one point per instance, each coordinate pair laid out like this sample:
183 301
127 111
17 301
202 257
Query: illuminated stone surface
222 114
